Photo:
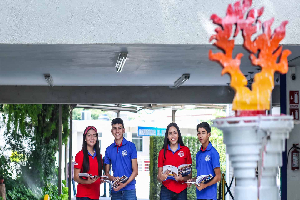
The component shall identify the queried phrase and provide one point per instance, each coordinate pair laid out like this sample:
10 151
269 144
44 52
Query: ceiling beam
123 94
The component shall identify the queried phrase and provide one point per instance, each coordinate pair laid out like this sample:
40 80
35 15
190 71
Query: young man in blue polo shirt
207 162
122 156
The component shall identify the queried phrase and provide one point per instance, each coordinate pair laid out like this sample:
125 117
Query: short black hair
204 125
117 121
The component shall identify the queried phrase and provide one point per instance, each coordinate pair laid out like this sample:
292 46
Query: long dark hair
166 140
86 163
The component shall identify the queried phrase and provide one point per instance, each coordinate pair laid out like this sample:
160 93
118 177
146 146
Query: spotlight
121 61
181 80
49 79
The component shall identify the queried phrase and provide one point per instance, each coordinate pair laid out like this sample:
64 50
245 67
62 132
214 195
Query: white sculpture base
252 140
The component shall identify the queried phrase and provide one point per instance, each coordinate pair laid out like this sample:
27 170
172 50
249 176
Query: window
138 141
100 134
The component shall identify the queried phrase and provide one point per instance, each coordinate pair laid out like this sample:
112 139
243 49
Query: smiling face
117 131
91 138
203 136
173 135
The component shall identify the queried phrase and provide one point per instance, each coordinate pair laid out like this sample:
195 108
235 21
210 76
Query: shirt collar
93 156
169 148
209 146
124 141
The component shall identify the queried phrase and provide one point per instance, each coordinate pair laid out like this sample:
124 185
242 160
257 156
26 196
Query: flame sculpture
266 45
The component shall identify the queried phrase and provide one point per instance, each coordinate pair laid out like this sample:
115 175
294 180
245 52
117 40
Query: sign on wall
151 131
294 104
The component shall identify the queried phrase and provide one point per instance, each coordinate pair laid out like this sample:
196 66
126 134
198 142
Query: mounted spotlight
181 80
121 61
49 79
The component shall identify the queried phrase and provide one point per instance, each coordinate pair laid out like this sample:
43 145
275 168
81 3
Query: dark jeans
166 194
124 195
84 198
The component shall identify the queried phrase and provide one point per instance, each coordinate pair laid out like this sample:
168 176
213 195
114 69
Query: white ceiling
129 22
94 65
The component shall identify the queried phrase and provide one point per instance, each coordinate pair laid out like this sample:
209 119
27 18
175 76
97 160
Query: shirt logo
75 163
181 153
207 158
124 153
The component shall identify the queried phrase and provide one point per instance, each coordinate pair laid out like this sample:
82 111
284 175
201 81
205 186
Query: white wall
293 177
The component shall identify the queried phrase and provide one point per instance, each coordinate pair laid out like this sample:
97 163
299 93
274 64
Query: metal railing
224 189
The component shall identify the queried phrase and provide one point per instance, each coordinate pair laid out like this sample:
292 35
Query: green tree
76 113
32 133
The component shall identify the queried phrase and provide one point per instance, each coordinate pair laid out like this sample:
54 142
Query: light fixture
48 79
121 61
181 80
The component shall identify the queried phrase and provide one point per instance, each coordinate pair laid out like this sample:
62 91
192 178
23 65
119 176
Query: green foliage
32 135
156 144
76 113
4 166
65 192
20 192
216 139
52 191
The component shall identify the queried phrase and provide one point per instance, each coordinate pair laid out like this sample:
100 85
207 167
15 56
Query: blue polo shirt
120 158
206 161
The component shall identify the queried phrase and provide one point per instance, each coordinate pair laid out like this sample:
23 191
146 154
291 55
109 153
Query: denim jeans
166 194
84 198
124 195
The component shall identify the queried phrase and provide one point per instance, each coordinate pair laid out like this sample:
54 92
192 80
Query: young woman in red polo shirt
173 153
88 160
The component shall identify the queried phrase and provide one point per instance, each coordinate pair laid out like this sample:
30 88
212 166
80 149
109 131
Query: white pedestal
252 140
276 129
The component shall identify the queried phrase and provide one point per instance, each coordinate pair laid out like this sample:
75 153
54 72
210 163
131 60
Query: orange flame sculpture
266 45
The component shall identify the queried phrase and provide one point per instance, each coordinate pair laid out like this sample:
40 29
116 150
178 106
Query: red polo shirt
181 156
91 191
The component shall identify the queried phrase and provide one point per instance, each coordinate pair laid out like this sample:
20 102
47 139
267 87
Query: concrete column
70 156
173 115
66 161
60 147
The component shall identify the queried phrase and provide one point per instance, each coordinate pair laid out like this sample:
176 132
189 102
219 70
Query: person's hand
116 178
190 180
201 186
178 178
103 179
119 187
164 176
91 180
